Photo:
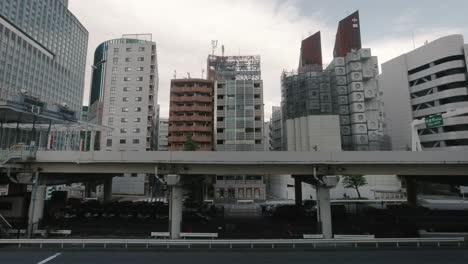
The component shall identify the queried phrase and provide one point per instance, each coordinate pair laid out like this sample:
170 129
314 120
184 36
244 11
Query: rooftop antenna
222 50
175 74
214 45
414 43
188 74
203 73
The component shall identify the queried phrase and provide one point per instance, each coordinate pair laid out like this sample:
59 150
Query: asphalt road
329 257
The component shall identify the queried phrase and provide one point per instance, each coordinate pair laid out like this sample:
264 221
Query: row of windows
117 50
125 99
124 109
128 59
122 142
127 79
126 89
110 121
127 69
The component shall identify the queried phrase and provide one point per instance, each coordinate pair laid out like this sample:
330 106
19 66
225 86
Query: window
136 130
109 142
136 141
139 89
140 68
109 133
127 69
138 99
140 79
112 89
125 109
114 69
126 89
116 50
127 79
111 110
124 120
116 60
123 130
141 58
125 99
137 109
111 100
137 120
123 141
110 121
128 49
128 59
141 49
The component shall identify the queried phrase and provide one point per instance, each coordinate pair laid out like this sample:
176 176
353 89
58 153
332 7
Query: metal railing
18 152
229 244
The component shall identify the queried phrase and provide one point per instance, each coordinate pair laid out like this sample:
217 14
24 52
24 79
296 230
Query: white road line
49 258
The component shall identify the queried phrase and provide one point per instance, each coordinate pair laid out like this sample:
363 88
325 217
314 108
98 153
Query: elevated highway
437 163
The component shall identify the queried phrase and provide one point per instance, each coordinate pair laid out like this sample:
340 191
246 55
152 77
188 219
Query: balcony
188 99
194 89
193 118
190 129
195 108
198 139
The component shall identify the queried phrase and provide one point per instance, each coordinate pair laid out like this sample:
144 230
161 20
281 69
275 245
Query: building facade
239 121
239 102
276 129
43 50
427 81
191 114
162 134
347 87
123 95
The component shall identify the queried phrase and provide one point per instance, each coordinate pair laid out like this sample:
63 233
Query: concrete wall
314 133
397 104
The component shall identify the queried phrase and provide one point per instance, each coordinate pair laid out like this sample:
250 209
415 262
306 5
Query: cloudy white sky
183 30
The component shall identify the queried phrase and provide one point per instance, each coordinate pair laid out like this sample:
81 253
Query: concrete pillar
91 142
298 190
175 211
411 191
107 190
175 205
324 212
36 208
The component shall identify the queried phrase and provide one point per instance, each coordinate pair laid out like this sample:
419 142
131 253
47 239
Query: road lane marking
49 258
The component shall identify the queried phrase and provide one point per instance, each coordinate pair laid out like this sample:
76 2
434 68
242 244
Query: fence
230 244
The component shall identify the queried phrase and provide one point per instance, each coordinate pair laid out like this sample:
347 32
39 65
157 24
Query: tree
190 145
354 182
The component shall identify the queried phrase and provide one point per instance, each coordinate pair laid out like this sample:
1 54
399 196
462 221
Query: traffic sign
434 121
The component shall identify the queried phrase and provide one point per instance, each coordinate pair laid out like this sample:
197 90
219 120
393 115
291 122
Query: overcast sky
183 30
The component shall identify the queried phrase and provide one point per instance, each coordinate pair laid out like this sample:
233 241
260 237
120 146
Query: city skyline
185 45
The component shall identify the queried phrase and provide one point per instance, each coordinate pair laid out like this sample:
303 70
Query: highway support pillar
324 217
298 190
411 191
107 196
36 206
175 205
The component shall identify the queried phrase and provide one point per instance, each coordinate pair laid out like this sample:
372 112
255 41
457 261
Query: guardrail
287 243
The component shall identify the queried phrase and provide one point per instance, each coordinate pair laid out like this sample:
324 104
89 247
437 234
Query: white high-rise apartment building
123 96
124 92
427 81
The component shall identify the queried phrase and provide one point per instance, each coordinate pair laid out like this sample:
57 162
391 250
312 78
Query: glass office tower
42 52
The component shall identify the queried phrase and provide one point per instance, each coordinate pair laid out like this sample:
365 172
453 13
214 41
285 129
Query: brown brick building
191 114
